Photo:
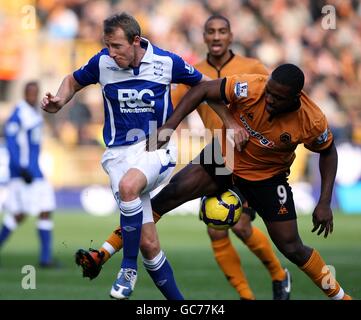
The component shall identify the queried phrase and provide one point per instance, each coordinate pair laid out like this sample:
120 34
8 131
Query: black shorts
271 198
212 162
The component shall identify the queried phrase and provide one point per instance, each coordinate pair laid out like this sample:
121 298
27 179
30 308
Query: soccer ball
222 211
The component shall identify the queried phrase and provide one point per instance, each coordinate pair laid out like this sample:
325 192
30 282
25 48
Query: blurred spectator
80 116
272 31
10 54
62 23
336 117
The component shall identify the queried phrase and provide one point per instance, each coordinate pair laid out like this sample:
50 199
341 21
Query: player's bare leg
258 243
285 236
156 263
10 223
230 262
131 184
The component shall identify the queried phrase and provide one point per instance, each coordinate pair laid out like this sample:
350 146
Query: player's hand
237 135
322 219
51 103
26 176
241 137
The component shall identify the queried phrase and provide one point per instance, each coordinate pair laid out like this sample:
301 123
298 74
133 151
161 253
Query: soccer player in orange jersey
278 116
220 62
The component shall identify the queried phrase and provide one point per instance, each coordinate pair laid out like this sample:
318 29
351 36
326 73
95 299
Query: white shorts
32 199
157 166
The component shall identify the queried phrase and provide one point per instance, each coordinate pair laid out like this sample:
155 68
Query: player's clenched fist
51 103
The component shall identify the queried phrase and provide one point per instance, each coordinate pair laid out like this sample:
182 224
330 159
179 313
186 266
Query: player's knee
293 251
149 247
217 234
127 190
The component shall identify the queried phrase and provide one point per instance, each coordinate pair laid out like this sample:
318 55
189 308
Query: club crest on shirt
282 210
158 68
112 68
241 89
285 138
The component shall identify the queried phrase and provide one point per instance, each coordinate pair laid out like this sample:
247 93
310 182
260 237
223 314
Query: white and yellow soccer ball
222 211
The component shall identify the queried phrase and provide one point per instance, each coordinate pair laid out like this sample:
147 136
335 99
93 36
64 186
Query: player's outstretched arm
192 99
236 134
209 91
322 215
66 91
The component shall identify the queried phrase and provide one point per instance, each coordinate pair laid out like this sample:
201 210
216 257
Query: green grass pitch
187 247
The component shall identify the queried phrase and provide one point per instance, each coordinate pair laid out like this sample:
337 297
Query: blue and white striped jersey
23 132
136 100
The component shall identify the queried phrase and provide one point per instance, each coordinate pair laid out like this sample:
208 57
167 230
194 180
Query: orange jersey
236 65
271 147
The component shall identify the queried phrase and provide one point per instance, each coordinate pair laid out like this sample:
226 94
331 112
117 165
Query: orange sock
115 241
321 275
259 244
229 262
112 245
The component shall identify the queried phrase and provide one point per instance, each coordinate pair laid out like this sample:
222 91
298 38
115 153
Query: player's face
279 98
217 37
32 95
119 48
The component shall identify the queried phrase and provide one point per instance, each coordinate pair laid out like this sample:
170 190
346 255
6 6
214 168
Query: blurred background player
28 191
220 62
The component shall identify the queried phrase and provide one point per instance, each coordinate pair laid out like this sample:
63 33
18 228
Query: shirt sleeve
184 73
259 68
321 136
235 89
244 89
88 73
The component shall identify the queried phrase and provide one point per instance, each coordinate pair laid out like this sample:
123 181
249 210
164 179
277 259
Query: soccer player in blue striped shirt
135 78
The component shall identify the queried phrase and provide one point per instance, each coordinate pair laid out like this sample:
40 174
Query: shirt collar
24 105
148 56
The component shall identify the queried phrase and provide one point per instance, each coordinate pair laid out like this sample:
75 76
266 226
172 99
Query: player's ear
136 40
